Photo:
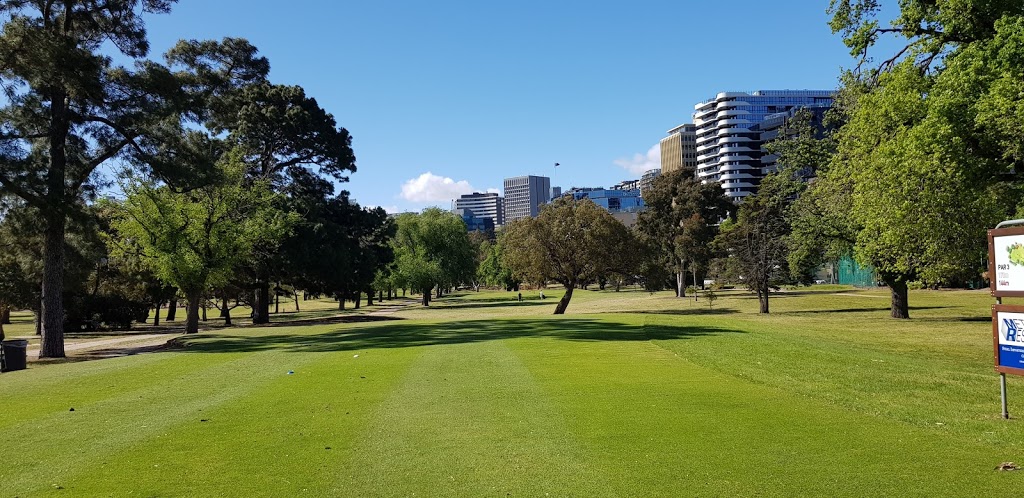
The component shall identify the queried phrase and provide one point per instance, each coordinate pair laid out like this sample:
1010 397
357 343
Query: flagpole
554 176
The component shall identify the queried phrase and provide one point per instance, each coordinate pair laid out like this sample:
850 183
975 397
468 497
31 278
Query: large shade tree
194 240
69 109
927 157
681 219
570 242
432 251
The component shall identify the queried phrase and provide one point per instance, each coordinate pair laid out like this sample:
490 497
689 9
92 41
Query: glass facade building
611 200
729 135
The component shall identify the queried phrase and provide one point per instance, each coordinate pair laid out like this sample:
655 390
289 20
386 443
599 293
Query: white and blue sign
1010 327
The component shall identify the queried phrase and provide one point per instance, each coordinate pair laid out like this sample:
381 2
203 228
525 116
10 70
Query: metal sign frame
996 309
992 234
999 231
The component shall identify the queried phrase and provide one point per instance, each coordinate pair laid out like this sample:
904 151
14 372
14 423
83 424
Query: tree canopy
570 242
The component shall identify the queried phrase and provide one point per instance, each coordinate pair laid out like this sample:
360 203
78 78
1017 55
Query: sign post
1006 274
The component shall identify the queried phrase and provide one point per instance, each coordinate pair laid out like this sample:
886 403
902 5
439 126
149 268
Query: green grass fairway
630 394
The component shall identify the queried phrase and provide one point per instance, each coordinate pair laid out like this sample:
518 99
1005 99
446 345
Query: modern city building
613 201
772 125
524 195
679 149
474 222
647 180
487 205
556 192
728 145
628 184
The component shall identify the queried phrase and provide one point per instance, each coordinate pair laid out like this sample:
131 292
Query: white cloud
640 163
494 191
389 209
429 187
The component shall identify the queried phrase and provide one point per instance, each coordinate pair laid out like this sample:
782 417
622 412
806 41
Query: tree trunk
38 321
426 297
900 307
53 279
693 268
356 298
681 283
204 312
439 292
295 294
172 309
52 309
226 311
369 297
564 302
5 316
192 313
156 314
261 313
277 299
762 297
341 301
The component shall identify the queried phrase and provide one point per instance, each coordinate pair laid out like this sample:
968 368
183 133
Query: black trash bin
15 355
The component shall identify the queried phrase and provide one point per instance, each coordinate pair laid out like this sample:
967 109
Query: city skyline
450 98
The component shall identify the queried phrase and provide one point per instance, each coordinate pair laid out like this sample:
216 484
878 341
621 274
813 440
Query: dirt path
134 341
391 309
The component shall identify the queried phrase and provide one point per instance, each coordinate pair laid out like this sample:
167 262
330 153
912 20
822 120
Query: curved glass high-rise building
729 135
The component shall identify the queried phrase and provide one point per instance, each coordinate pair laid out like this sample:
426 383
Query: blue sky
447 97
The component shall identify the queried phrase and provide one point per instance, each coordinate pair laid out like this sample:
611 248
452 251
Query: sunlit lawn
630 394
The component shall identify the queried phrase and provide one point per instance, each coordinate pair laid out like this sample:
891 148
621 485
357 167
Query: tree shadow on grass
450 305
512 298
854 310
683 312
406 334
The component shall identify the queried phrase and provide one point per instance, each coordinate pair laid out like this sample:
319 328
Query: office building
679 149
524 195
647 180
486 205
728 145
611 200
476 223
628 184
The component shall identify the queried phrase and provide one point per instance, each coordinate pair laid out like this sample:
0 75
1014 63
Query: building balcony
732 123
739 168
703 113
735 148
731 103
726 140
731 113
735 131
736 184
737 175
734 159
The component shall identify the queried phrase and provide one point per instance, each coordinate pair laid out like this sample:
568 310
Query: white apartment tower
729 136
